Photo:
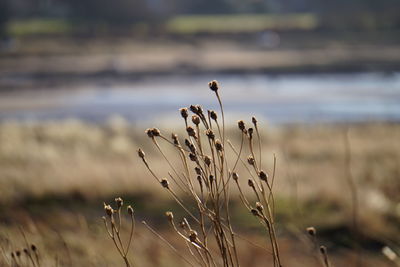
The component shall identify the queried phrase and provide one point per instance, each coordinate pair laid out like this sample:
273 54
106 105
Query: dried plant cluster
202 184
207 178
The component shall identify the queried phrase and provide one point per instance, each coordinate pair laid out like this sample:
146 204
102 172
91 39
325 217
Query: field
55 177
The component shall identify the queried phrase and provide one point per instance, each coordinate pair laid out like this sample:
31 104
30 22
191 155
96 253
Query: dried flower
119 202
196 119
311 231
213 115
184 113
141 153
241 125
218 145
130 210
235 176
164 182
250 160
263 176
214 86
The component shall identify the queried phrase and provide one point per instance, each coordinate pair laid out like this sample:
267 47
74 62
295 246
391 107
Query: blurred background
80 80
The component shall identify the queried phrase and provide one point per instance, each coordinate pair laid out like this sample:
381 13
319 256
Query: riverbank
60 62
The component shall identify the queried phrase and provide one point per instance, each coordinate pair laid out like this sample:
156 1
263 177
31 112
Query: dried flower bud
191 131
250 182
141 153
170 216
263 176
210 134
235 176
254 121
207 160
213 115
199 110
211 178
218 145
109 210
156 132
213 85
250 160
323 250
198 170
192 236
175 139
18 253
192 157
12 255
119 202
193 108
26 251
259 207
199 180
187 143
241 125
149 132
164 182
311 231
130 210
192 148
196 119
250 131
184 113
255 212
33 247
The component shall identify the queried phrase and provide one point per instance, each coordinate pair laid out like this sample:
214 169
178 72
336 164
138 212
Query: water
311 98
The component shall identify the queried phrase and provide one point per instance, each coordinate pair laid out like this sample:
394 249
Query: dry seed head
26 251
184 113
207 160
218 145
323 250
250 131
196 119
198 170
250 160
241 125
193 108
255 212
175 139
192 157
235 176
192 236
263 176
109 210
130 210
211 178
18 253
141 153
119 202
254 121
187 143
311 231
191 131
149 132
213 115
164 182
199 180
199 110
259 206
210 134
214 86
170 216
250 182
156 132
33 247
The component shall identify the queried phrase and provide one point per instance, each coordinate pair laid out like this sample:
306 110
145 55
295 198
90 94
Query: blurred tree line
336 15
